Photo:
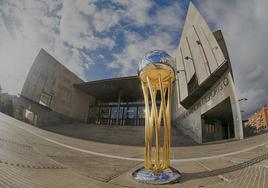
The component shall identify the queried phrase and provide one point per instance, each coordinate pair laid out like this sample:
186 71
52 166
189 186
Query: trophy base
167 176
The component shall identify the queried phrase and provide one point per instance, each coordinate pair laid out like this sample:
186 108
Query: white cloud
84 6
22 34
106 19
137 46
26 27
168 17
64 27
73 27
137 10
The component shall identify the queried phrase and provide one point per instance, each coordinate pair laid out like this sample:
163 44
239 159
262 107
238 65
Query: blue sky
99 39
95 39
104 56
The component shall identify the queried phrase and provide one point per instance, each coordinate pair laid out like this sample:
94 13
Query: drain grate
31 166
13 142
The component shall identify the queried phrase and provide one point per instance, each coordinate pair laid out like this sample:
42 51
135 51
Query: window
141 112
131 112
45 99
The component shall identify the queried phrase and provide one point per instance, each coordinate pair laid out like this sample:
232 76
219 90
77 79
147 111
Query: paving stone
29 160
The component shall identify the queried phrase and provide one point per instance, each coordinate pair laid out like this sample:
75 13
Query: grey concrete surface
49 76
121 135
32 157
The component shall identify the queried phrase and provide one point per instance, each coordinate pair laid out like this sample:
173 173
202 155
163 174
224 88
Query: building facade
49 92
259 120
205 105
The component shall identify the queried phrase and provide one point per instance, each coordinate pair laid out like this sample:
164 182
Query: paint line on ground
209 169
135 159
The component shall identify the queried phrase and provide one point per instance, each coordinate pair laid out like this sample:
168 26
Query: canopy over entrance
108 90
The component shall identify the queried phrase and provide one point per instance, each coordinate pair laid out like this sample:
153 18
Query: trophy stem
154 115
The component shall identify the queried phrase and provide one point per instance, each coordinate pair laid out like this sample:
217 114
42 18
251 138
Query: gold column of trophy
157 75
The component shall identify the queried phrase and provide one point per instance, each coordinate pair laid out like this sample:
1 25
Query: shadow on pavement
216 172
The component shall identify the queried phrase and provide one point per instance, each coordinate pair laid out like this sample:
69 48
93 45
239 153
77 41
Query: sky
98 39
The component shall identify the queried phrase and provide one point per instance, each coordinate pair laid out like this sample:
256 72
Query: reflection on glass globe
156 63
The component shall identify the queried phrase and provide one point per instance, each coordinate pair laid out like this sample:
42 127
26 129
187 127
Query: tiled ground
32 157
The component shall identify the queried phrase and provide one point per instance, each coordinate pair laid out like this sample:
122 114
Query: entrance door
114 120
217 123
141 116
130 115
104 115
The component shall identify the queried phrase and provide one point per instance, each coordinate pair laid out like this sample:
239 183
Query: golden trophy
157 76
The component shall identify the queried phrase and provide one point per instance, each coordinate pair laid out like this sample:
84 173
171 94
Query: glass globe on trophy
157 75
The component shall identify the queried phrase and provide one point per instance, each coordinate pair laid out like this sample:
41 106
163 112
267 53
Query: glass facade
108 114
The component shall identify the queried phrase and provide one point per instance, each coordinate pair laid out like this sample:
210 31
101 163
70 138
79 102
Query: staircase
122 135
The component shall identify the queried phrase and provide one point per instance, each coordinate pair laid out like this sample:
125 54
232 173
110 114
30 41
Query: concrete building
259 120
6 103
49 93
205 104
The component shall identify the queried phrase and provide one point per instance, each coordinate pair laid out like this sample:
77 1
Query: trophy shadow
221 171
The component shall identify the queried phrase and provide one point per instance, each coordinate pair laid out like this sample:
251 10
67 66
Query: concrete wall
43 115
48 76
199 44
207 54
189 120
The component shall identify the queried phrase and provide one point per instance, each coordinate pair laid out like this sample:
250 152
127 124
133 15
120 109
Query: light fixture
178 71
242 99
215 48
187 58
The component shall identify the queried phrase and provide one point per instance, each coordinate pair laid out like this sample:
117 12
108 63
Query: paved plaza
32 157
